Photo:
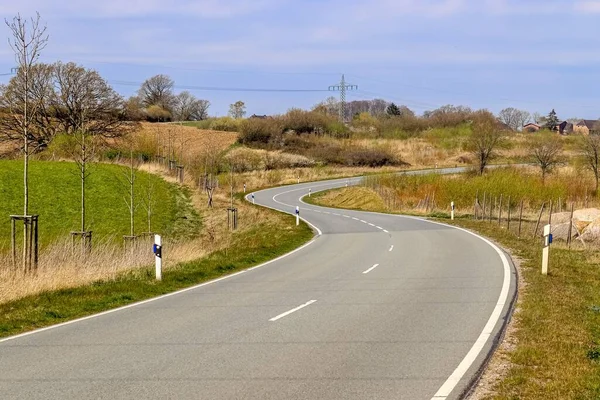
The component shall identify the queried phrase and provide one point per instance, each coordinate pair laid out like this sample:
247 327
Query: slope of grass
557 352
55 196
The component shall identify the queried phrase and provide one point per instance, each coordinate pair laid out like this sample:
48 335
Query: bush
362 157
226 124
259 131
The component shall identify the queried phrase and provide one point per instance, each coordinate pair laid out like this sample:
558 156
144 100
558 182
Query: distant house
531 127
587 126
259 116
565 128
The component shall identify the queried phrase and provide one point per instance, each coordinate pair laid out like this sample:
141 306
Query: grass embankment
55 196
555 350
263 242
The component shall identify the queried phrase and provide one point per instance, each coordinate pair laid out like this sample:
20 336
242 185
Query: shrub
363 157
226 124
259 131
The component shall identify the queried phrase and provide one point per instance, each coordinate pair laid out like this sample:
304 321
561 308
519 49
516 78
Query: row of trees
156 101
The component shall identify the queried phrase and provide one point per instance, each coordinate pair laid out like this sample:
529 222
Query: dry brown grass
418 152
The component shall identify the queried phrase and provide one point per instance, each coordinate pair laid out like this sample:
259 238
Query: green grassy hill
55 196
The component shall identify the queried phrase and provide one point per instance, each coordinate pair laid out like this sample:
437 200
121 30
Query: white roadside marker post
452 211
297 215
253 202
244 188
546 250
309 191
158 256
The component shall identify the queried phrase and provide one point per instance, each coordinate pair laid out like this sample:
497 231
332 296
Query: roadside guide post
452 211
546 250
253 202
309 191
244 188
157 249
297 215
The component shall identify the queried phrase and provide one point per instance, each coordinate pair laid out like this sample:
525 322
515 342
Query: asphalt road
375 307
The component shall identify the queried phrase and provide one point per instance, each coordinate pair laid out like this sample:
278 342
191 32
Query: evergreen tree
393 109
551 120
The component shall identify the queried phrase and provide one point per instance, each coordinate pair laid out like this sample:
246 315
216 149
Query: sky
531 54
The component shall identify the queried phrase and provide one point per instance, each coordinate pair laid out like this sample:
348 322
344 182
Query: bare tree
157 91
29 38
514 118
237 110
546 151
188 108
41 126
590 151
148 200
485 140
83 97
130 178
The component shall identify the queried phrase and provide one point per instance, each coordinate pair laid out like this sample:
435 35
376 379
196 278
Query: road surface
375 307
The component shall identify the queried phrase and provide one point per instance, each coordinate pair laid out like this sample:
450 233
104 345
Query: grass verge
263 242
557 319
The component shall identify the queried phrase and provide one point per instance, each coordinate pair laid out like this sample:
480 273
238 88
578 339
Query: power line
342 87
224 89
224 71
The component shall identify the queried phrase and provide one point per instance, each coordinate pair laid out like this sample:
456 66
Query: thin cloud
588 6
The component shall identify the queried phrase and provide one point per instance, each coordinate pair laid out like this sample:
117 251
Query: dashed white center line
346 216
371 269
292 310
385 231
378 227
371 224
391 247
354 218
335 214
363 221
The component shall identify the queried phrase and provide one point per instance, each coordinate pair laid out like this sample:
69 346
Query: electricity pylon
342 87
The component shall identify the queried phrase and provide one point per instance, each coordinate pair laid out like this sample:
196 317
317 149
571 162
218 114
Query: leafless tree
148 200
514 118
83 97
237 110
130 175
29 38
157 91
590 151
378 107
41 126
546 151
188 108
329 106
538 118
485 139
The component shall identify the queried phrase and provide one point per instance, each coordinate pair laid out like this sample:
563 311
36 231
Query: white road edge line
371 269
453 380
391 247
449 385
164 296
308 303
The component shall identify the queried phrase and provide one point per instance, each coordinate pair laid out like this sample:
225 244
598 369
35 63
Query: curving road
375 307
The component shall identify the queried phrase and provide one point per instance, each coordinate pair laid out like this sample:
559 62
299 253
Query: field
184 143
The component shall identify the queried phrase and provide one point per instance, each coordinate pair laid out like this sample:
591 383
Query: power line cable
225 89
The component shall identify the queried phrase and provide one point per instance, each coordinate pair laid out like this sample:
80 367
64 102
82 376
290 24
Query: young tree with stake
29 38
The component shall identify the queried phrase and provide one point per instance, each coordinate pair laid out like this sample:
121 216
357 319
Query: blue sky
531 54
